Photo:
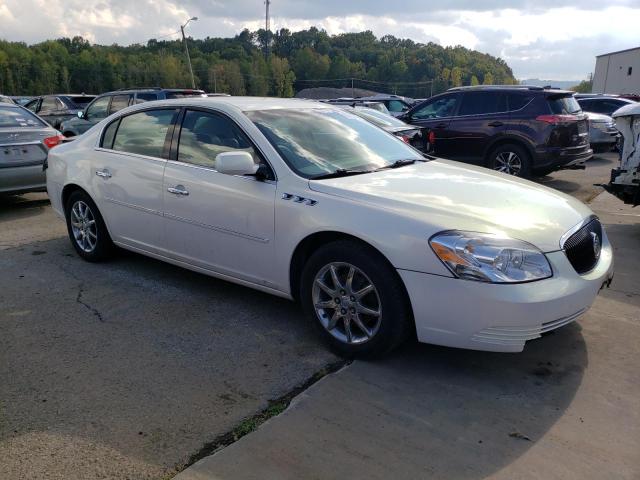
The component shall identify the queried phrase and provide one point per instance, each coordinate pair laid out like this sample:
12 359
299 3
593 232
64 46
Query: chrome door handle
178 190
104 173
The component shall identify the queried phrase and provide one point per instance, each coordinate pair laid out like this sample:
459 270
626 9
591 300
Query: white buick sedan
312 203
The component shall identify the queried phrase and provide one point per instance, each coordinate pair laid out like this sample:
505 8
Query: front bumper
501 317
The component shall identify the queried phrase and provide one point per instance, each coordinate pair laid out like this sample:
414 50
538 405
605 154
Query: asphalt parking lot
135 369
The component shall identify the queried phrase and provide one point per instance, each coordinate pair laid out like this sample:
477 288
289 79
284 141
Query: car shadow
475 412
14 207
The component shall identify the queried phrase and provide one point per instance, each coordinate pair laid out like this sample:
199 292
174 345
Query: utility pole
186 49
267 28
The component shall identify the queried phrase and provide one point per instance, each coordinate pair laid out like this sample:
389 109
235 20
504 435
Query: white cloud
550 38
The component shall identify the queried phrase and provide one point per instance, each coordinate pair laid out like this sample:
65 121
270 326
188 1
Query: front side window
118 103
33 105
317 141
439 108
143 133
145 97
483 103
98 109
204 135
49 104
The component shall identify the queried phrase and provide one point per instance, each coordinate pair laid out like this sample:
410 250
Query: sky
547 39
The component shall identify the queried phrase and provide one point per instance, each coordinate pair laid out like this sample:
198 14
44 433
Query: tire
511 159
87 230
370 335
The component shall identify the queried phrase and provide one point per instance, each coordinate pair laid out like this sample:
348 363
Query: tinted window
182 94
442 107
564 105
118 103
144 133
518 101
204 135
98 109
109 134
397 106
318 141
145 97
12 117
81 101
481 103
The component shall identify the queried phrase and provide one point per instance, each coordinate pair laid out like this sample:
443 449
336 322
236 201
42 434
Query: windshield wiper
341 172
400 163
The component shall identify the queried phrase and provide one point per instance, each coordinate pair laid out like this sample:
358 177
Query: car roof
513 88
244 103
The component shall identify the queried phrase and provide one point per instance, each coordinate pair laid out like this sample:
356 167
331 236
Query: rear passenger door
127 173
481 119
223 223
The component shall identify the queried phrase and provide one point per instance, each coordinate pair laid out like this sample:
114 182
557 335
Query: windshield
564 105
378 118
315 142
12 117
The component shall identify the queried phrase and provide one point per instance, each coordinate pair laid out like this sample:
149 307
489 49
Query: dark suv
108 103
520 130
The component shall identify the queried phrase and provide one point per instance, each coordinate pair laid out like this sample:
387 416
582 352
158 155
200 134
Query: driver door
223 223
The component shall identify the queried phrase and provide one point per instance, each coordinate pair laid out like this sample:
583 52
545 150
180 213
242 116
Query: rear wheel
511 159
355 299
87 230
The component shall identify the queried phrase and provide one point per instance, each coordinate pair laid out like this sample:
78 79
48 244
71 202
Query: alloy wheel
83 226
508 162
346 303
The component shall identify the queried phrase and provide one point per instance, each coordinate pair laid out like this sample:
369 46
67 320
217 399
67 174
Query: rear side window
397 106
145 97
144 133
109 134
204 135
482 103
517 101
118 103
12 117
564 105
182 94
81 101
50 103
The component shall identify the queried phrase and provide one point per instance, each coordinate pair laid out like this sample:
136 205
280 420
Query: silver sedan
25 140
602 132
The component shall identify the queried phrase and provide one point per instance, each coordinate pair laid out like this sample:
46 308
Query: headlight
490 258
604 126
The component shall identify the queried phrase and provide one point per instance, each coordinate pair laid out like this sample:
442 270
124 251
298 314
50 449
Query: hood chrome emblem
597 246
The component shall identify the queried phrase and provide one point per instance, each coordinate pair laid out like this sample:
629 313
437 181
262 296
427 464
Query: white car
310 202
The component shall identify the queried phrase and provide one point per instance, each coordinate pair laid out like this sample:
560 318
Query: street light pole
186 49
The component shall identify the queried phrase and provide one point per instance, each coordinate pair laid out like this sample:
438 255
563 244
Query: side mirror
81 114
235 163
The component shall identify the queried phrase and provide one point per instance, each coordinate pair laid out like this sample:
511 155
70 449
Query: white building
618 72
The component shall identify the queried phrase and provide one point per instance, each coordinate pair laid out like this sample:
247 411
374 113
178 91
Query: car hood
447 195
598 117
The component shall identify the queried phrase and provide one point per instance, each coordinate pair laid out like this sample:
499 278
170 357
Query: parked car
306 201
604 104
519 130
55 109
396 104
20 100
5 99
352 102
407 133
111 102
603 134
25 141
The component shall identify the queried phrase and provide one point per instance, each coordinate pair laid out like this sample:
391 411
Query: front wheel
355 299
87 230
511 159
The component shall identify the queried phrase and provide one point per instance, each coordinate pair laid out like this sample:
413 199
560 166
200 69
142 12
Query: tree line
251 63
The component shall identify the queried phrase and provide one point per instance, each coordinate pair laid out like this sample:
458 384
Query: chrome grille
583 247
